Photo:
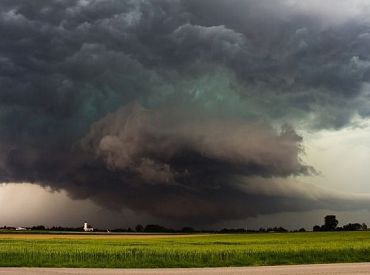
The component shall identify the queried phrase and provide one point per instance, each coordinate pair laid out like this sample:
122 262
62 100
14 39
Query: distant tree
302 230
233 230
324 228
352 227
38 227
139 228
280 229
330 223
119 230
154 228
316 228
364 226
187 229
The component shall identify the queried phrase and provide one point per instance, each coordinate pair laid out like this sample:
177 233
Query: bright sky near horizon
348 148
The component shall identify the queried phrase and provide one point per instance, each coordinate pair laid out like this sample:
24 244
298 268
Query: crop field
84 250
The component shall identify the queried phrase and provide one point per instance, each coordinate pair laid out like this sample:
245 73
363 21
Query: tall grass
199 251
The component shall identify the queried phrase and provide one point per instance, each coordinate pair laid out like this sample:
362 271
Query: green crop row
191 251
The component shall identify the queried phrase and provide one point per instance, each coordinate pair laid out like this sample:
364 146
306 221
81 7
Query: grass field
57 250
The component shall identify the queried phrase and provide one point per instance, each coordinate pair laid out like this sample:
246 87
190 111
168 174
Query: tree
155 228
317 228
139 228
331 222
38 227
364 226
187 229
352 227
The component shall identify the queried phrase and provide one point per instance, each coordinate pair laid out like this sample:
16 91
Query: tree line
330 224
155 228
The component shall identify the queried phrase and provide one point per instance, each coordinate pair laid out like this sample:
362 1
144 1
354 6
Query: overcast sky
205 113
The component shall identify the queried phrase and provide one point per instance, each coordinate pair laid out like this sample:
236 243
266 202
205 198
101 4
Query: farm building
88 227
20 229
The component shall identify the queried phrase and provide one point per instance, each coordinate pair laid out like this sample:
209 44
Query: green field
54 250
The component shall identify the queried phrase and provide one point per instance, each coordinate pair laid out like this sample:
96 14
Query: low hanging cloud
141 140
215 84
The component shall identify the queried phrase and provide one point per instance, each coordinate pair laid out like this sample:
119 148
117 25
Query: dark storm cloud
215 79
142 140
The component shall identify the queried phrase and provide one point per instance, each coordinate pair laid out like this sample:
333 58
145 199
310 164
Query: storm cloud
177 108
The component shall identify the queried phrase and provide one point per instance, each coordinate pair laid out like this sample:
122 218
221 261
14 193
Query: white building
88 227
20 229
